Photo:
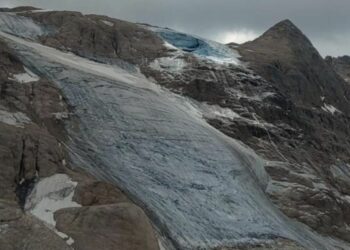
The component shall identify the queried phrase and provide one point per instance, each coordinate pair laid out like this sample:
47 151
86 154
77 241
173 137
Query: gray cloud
325 22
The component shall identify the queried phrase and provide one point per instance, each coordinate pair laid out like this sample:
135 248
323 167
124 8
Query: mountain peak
284 37
285 29
287 58
286 22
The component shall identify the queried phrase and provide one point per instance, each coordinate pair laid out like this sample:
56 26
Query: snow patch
108 23
26 77
69 240
41 10
330 108
17 119
50 195
267 94
61 115
214 111
170 64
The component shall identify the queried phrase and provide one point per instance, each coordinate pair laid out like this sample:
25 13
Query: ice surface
203 48
20 26
200 188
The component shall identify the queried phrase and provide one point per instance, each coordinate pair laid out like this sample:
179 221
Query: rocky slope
287 104
341 65
315 104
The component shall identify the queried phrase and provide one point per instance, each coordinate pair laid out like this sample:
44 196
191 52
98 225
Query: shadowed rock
341 65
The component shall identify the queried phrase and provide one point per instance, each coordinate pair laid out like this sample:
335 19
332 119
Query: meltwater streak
195 183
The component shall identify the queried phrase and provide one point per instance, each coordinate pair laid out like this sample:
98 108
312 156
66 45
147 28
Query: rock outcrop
341 65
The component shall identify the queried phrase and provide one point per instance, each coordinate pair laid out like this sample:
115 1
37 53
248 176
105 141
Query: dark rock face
284 56
341 65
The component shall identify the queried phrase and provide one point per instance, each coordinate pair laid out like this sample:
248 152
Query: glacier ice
21 26
200 188
203 48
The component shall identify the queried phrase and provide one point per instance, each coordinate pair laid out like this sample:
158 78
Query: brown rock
121 226
21 231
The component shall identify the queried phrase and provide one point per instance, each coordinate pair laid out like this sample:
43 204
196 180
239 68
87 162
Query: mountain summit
285 29
287 58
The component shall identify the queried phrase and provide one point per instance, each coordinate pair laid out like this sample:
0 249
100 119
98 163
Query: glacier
200 188
200 47
22 26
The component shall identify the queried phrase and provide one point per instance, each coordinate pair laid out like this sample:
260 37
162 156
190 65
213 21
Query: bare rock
121 226
22 231
341 65
277 244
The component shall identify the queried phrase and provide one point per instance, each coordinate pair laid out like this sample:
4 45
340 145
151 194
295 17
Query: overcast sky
325 22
